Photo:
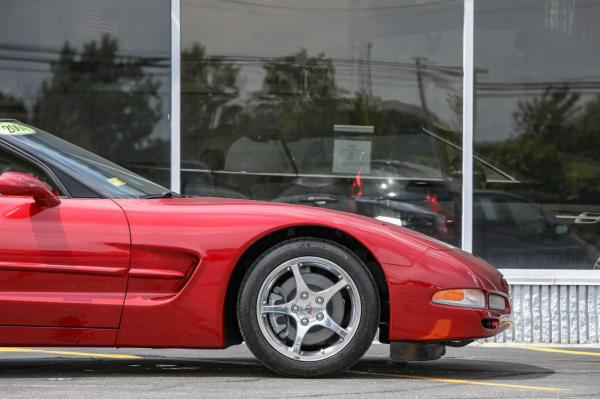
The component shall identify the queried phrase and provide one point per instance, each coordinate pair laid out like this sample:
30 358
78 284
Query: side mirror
25 185
561 229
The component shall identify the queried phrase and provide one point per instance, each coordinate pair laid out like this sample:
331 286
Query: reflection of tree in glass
298 105
12 108
101 101
298 97
299 76
455 103
547 117
208 84
301 95
582 167
557 144
365 108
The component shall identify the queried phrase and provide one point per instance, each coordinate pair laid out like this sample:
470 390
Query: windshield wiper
166 194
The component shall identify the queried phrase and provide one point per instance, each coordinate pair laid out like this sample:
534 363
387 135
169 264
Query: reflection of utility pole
306 93
419 69
365 73
369 84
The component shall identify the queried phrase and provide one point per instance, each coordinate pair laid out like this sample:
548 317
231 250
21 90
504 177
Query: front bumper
425 350
506 322
415 318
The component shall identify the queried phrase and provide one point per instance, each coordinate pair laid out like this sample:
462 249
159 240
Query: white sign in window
351 156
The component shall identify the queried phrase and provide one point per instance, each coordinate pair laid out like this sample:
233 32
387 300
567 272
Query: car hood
489 277
307 210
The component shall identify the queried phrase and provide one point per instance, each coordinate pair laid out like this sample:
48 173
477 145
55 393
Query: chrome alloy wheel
308 308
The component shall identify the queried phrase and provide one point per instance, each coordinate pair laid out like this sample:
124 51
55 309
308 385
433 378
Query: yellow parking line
467 382
565 351
68 353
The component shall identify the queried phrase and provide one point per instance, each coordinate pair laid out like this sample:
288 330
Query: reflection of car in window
515 233
404 178
411 180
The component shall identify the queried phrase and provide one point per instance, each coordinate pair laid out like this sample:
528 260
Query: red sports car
94 255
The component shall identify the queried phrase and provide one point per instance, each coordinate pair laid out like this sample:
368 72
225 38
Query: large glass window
96 73
352 105
538 122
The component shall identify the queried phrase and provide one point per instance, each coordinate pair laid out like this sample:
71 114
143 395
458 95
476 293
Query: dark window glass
345 104
96 73
98 174
10 163
538 123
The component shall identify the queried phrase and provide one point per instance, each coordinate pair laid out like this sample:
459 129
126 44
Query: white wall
554 313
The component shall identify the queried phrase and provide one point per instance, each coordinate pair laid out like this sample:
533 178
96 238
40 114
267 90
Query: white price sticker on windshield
115 181
14 129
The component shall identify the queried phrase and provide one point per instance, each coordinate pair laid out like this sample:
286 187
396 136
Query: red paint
53 336
24 184
166 264
64 266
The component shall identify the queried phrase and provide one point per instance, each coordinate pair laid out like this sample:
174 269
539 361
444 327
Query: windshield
102 176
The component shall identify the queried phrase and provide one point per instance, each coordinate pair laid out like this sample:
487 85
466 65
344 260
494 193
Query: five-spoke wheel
308 307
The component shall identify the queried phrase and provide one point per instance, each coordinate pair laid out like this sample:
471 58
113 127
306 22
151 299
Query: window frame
23 156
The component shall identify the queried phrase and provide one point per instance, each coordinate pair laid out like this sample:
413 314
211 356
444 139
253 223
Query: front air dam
421 351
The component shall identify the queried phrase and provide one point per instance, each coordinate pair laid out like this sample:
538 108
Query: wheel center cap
308 312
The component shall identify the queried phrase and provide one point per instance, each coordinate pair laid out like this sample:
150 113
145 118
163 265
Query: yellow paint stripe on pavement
467 382
565 351
69 353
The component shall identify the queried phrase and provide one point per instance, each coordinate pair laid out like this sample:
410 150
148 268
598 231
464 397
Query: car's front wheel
308 307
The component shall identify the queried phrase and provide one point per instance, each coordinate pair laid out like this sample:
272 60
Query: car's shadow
247 368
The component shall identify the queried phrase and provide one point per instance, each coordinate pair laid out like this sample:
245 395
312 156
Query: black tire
258 273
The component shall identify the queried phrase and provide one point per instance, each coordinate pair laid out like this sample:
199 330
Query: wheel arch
231 329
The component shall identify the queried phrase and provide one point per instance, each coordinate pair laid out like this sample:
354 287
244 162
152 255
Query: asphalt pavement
480 371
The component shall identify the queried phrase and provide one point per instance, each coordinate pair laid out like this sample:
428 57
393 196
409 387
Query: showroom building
476 122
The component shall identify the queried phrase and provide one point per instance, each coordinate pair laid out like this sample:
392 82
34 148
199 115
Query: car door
62 266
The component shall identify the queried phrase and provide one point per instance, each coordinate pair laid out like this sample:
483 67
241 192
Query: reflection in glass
93 74
345 104
538 103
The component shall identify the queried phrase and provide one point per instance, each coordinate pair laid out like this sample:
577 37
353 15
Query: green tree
557 144
301 77
580 154
298 97
208 85
586 137
541 124
547 118
102 101
12 108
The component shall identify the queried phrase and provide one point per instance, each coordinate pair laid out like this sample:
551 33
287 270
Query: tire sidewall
258 273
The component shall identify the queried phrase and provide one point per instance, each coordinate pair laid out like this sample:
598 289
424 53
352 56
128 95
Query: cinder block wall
567 314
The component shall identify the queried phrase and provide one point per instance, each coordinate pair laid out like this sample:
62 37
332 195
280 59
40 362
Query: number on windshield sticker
14 129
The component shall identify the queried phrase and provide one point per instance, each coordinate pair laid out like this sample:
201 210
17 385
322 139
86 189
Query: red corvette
94 255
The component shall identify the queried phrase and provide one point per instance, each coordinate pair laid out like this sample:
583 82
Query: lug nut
304 295
319 300
295 308
308 309
320 316
304 321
